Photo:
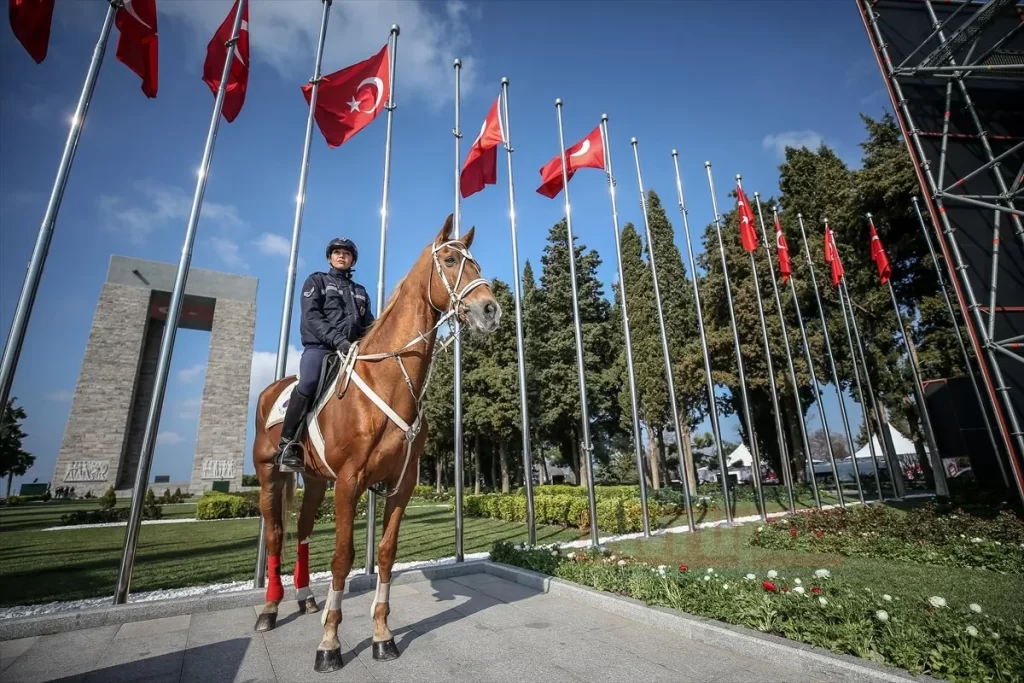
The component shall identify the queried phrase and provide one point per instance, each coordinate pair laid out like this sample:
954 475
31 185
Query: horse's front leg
311 500
328 653
272 508
384 648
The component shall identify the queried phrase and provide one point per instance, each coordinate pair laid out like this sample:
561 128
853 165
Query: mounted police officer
335 313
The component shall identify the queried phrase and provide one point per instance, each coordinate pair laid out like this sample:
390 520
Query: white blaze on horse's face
469 295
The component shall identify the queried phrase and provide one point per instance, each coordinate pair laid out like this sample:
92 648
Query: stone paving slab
499 624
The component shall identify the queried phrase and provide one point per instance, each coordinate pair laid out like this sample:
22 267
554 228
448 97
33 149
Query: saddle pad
277 411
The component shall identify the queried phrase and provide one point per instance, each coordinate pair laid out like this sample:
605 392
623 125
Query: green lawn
775 500
43 566
726 550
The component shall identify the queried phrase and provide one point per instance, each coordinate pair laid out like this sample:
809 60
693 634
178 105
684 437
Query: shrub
429 494
958 642
107 515
108 500
614 514
216 505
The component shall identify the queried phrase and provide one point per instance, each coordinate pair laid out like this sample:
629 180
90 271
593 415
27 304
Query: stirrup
283 467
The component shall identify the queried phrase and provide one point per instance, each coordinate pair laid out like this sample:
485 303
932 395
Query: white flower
760 528
662 567
823 601
555 553
797 581
622 563
887 597
707 578
962 536
995 635
972 631
975 540
975 607
772 573
612 557
822 573
710 569
936 601
882 615
799 589
750 577
725 586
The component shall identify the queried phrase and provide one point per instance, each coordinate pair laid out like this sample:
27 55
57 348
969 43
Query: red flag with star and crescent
350 99
785 265
587 153
879 257
217 52
747 235
481 166
832 256
30 21
138 45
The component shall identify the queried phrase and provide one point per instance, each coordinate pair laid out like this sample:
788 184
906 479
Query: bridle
456 304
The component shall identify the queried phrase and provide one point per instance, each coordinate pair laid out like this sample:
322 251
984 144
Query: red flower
768 586
785 589
819 534
816 590
683 567
792 532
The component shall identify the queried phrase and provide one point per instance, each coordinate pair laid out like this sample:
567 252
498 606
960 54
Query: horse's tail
286 510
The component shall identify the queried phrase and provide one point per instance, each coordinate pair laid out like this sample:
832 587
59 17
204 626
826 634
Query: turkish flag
30 21
481 167
587 153
217 52
747 235
785 265
350 99
879 257
832 256
138 44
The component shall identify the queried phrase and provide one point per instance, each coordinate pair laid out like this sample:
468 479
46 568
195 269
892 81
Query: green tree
439 411
14 460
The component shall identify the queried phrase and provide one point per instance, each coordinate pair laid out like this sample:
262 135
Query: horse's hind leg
328 653
312 497
273 486
384 648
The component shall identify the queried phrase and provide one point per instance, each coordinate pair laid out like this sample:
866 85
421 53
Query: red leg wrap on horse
302 566
275 591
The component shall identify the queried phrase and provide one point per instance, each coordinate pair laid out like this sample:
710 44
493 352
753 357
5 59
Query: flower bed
922 536
958 642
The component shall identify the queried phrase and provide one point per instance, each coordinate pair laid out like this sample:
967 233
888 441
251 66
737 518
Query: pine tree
439 412
14 460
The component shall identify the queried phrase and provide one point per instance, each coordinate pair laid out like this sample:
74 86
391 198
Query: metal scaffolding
954 72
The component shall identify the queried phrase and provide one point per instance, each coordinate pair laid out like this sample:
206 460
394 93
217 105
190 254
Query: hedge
615 513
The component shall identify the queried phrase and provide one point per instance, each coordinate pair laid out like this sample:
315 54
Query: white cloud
60 396
274 245
284 33
188 408
793 138
191 373
228 252
263 365
153 205
169 438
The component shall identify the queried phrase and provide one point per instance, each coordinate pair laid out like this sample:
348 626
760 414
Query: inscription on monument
86 470
218 469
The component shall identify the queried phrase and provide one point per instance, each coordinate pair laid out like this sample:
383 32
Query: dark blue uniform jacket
335 310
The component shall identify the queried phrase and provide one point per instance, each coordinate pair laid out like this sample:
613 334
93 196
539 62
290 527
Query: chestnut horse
373 434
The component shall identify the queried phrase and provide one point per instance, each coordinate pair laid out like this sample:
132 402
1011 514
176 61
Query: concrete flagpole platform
477 621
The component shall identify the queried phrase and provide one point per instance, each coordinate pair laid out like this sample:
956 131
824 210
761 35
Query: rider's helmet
343 243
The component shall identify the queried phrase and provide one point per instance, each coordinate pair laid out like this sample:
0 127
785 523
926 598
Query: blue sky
726 82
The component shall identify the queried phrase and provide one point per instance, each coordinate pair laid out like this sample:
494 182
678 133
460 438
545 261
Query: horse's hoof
328 661
385 651
267 621
308 606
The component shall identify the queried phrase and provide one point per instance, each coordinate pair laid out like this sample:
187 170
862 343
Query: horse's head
456 284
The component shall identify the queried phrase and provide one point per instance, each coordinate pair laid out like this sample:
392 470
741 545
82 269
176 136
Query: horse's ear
446 231
468 238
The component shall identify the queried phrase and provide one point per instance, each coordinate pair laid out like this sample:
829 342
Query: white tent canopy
905 449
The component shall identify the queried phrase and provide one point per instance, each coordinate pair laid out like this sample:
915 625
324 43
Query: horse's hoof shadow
328 661
385 651
308 606
267 621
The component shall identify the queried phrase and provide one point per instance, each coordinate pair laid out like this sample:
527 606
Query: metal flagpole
817 393
963 347
293 258
524 413
756 462
585 448
716 428
832 364
780 434
860 392
131 537
669 379
457 133
789 354
633 401
890 457
371 498
16 335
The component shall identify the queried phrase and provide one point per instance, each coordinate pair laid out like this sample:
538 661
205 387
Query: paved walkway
476 627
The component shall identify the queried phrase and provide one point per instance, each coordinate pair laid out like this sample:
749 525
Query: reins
455 304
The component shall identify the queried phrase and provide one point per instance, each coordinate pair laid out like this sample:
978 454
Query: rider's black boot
289 452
